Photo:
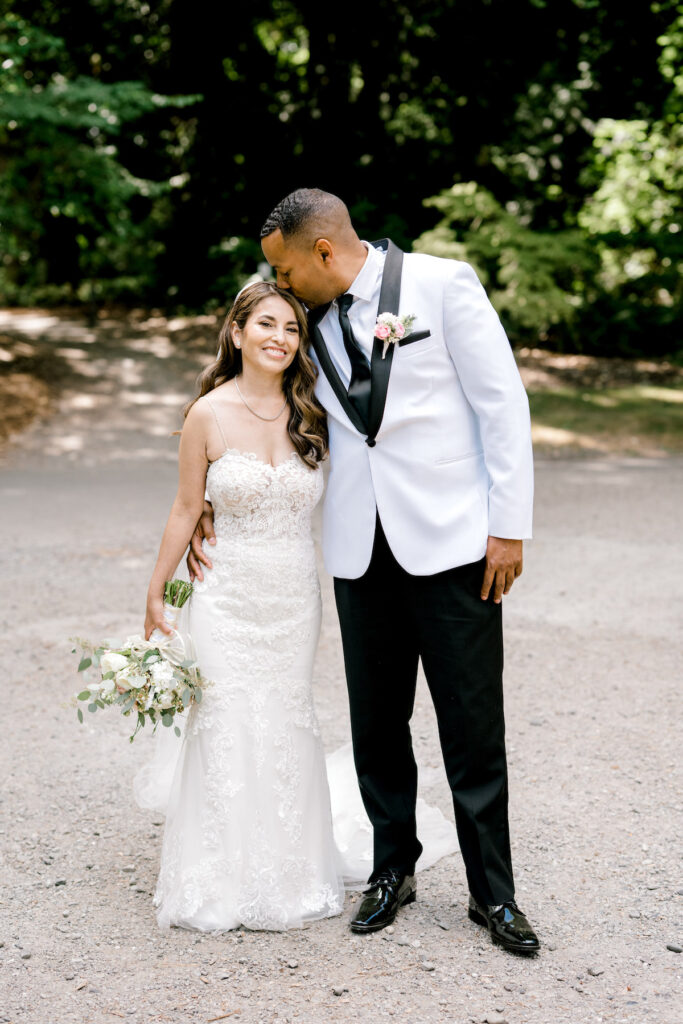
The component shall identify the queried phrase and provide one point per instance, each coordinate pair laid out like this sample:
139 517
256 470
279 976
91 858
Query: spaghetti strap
218 422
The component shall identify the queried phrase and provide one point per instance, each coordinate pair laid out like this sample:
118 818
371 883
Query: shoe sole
478 918
363 929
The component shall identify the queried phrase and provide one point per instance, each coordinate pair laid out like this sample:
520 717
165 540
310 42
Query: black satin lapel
330 372
389 298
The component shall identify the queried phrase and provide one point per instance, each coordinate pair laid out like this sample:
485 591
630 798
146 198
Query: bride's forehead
274 306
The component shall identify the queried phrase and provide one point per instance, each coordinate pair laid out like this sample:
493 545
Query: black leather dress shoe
507 926
386 895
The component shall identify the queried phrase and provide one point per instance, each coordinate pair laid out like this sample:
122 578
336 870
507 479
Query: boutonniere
390 328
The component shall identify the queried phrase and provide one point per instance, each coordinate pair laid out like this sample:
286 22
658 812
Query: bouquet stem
176 592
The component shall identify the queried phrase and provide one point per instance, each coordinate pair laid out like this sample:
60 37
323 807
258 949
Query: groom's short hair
306 211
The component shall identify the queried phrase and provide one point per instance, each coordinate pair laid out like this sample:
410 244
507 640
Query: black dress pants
390 619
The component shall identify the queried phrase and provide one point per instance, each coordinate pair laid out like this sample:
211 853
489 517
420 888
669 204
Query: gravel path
593 710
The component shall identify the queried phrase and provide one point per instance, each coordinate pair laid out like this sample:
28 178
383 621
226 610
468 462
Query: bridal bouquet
153 679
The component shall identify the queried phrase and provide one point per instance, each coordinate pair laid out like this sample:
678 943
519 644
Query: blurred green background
143 144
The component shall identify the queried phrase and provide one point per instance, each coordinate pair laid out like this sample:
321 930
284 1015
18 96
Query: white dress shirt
362 314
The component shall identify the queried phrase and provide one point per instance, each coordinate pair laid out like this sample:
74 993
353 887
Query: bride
249 837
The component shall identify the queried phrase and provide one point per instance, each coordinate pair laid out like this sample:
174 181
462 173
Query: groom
429 496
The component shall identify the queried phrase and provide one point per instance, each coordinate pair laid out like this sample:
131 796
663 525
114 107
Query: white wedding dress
250 839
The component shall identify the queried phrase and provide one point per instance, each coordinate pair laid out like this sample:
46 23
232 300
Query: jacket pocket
459 458
415 336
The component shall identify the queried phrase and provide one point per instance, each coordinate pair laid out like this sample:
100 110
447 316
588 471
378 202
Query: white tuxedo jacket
445 458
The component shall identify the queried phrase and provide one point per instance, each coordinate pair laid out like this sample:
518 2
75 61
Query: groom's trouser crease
389 619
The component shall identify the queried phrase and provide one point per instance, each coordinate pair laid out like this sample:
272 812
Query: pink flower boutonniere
390 328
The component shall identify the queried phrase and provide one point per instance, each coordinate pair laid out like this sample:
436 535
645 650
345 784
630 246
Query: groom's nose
282 282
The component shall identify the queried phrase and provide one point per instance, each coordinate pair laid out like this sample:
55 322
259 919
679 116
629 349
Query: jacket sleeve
484 362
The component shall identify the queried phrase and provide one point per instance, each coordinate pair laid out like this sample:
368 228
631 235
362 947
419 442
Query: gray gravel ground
593 711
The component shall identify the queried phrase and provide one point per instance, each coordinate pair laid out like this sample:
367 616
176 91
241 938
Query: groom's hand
503 566
196 555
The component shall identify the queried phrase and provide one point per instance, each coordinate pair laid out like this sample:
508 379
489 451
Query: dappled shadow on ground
544 370
119 385
587 405
118 381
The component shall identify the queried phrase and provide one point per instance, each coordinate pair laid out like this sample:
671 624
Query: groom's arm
483 358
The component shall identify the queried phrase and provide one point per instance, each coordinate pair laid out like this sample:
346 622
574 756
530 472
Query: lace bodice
251 498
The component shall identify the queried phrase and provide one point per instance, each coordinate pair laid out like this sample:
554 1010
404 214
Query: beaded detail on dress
248 838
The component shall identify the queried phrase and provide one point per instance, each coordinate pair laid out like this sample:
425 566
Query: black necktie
359 385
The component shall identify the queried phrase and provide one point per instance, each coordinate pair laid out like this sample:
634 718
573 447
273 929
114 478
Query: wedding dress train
250 838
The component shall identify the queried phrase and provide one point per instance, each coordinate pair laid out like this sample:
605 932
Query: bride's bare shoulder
212 416
218 400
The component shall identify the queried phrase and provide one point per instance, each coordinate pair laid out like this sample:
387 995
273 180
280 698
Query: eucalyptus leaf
176 730
167 720
198 694
108 675
92 707
83 695
84 663
80 716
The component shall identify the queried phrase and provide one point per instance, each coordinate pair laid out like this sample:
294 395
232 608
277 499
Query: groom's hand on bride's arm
196 555
503 566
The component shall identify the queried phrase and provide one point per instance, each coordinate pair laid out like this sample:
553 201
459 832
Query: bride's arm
186 510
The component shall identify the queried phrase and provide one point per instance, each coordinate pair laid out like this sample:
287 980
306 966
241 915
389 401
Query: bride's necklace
269 419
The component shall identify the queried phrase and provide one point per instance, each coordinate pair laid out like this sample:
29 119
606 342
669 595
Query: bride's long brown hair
307 425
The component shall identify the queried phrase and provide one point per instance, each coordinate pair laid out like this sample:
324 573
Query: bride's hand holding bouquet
154 677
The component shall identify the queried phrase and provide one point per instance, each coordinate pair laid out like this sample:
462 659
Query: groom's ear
323 250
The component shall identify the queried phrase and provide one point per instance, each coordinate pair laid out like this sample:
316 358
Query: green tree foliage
384 103
612 283
539 281
76 222
634 215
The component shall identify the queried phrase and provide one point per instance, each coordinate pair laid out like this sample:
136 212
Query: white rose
161 672
129 679
165 699
107 686
112 662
